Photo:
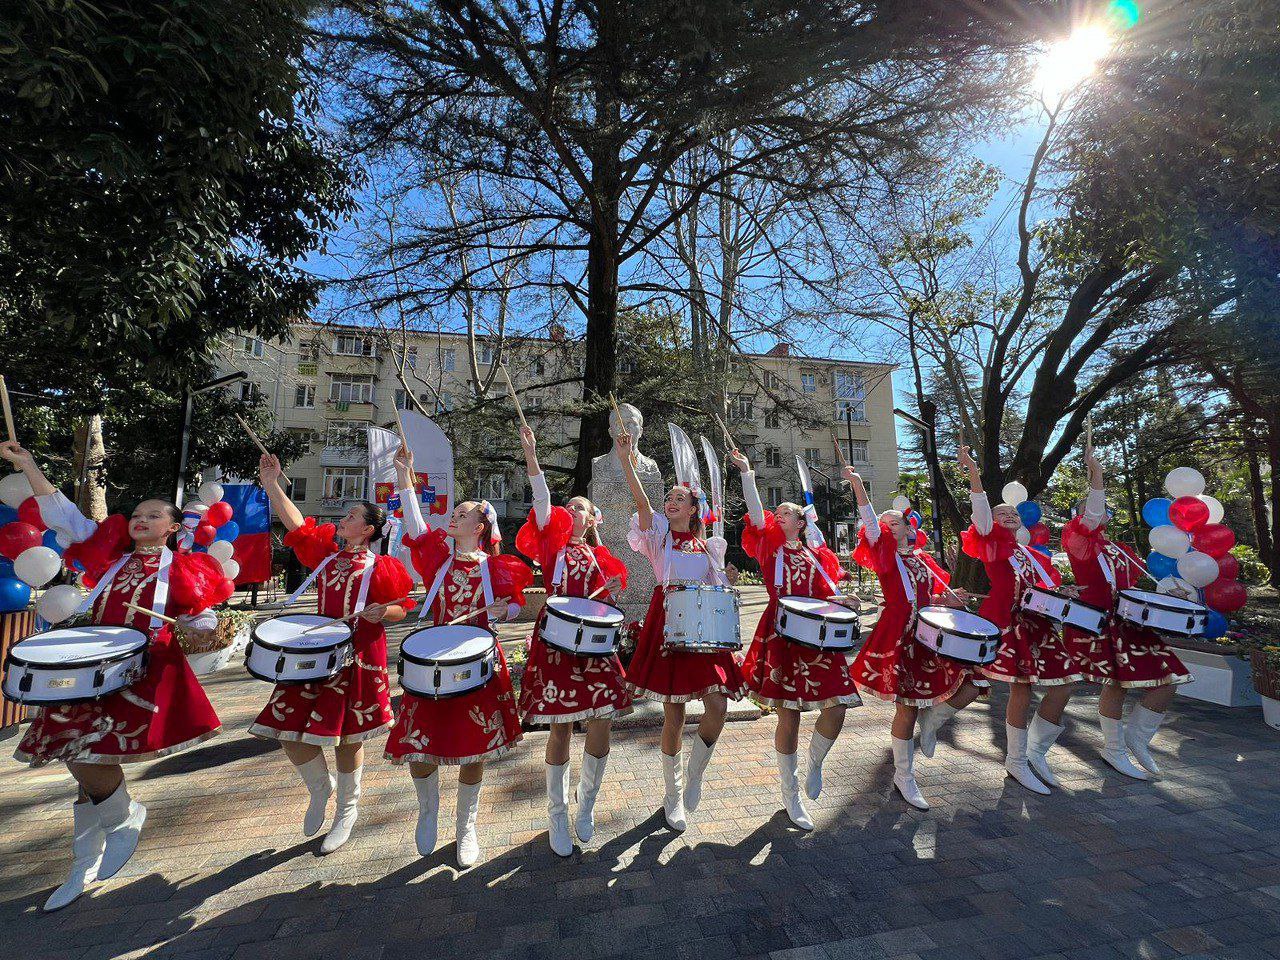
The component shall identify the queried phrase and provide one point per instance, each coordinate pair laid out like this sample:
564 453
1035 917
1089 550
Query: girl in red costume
465 574
354 705
674 543
559 688
891 665
784 675
1126 657
126 560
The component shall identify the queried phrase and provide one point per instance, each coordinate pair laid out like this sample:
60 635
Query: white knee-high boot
424 834
346 809
699 758
315 774
558 809
121 818
819 747
1041 737
1015 759
904 774
465 822
931 722
790 784
673 801
87 843
589 779
1139 732
1113 749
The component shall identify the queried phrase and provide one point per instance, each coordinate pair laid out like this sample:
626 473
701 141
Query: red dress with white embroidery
1125 654
780 673
891 665
354 704
657 671
166 710
481 724
559 687
1031 650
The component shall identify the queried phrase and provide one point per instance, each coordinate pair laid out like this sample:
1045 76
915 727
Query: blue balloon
7 514
1215 625
14 595
228 531
50 540
6 569
1155 512
1161 566
1030 513
1043 548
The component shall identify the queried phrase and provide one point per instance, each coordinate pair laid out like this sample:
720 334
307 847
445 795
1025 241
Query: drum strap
1108 571
1029 557
486 585
908 585
366 578
778 568
557 576
159 597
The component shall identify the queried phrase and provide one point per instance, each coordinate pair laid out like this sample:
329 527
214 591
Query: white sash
362 597
1030 557
908 585
486 585
557 575
1107 570
777 568
159 597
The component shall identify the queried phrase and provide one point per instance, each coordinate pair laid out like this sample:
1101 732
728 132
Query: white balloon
14 489
221 550
1216 511
58 603
1023 535
1169 540
37 565
1014 493
64 541
1198 569
231 569
901 503
195 506
1184 482
210 492
1177 587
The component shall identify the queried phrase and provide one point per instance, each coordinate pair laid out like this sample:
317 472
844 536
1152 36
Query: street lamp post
928 427
184 435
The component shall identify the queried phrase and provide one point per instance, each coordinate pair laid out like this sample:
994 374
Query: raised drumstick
8 411
254 437
839 451
514 399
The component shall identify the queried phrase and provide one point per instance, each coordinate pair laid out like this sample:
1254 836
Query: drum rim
699 648
855 619
268 645
11 658
586 621
1072 600
1190 611
678 587
452 661
964 633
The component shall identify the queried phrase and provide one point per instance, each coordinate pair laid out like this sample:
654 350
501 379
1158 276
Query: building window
538 366
249 392
772 421
298 489
772 457
772 381
402 399
851 397
855 452
854 410
252 346
309 351
345 483
812 454
809 382
741 408
352 345
773 497
410 357
346 435
494 486
448 360
486 355
351 388
304 396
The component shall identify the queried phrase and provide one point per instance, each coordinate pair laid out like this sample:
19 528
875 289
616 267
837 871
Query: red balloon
220 512
1039 534
1189 513
1228 567
1226 596
222 592
1214 539
29 512
16 537
205 534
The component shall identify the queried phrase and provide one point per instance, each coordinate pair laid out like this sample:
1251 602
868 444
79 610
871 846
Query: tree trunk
1273 460
89 459
1258 502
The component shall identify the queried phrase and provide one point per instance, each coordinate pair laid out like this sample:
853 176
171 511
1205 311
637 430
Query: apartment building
330 383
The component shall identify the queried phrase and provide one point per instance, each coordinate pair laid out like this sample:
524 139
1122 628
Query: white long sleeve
751 494
541 499
870 521
983 522
1095 509
414 525
62 516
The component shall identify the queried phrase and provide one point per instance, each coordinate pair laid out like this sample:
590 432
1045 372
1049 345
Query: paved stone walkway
1187 866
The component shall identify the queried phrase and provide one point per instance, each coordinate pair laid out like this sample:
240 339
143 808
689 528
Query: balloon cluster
32 554
1033 533
208 528
1191 548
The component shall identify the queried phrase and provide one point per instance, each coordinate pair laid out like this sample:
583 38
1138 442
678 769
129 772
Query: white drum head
79 644
816 607
959 621
446 644
287 631
581 608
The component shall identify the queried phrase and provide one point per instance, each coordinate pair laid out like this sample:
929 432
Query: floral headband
490 514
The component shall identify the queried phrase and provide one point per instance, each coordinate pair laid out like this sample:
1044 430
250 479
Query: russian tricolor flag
251 510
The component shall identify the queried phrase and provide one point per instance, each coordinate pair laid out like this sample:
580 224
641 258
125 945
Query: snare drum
438 662
701 619
74 664
587 628
958 635
1166 614
282 652
1064 611
815 623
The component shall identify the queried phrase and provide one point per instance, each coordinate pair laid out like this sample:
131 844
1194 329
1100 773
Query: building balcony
344 456
349 410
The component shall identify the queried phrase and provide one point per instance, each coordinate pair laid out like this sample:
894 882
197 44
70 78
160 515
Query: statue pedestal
610 492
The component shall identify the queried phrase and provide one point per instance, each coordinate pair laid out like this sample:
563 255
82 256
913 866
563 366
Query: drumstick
150 613
1088 435
516 400
733 445
839 451
351 616
8 411
467 616
254 437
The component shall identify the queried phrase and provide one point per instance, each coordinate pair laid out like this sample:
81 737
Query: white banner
433 462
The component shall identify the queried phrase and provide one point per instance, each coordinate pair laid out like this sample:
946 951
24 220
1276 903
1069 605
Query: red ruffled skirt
780 673
657 672
1031 651
164 712
481 724
560 687
893 667
352 706
1129 656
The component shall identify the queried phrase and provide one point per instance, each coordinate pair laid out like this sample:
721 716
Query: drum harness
362 597
486 586
160 596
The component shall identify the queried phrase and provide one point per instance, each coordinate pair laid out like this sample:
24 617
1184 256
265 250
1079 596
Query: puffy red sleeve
999 544
941 579
762 543
510 576
427 552
878 556
610 565
312 542
1081 543
196 582
830 564
544 543
391 583
109 542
